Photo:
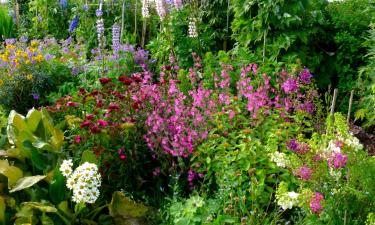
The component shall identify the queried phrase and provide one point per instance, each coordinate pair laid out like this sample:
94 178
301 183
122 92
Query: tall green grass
6 24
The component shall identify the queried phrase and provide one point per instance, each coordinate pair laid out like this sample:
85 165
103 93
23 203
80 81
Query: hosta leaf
11 172
41 206
33 118
122 206
26 182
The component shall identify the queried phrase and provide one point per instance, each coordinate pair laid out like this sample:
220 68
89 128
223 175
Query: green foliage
6 24
366 85
174 39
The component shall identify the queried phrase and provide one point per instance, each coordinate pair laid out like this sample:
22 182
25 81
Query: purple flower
74 24
48 56
315 203
35 96
85 7
115 37
305 76
290 86
307 107
75 71
304 173
23 39
10 41
292 145
338 161
128 48
99 13
140 56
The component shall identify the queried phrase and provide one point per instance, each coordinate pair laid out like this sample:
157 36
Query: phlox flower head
338 160
290 86
315 203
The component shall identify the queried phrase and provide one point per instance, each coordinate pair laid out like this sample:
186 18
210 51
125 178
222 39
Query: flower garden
187 112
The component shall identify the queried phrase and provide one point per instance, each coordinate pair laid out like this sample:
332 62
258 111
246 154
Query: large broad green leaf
11 172
64 208
39 144
41 206
33 118
57 187
122 206
88 156
39 161
45 220
26 182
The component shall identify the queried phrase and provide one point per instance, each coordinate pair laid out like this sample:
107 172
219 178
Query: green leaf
38 160
64 208
46 220
33 118
11 172
26 182
57 187
41 206
89 156
39 144
122 206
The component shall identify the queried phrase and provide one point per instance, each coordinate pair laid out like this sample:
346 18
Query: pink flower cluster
315 203
338 160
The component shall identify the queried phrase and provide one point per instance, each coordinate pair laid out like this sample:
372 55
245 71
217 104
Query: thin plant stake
334 101
350 106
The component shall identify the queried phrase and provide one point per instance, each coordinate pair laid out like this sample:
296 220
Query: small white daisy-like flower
66 167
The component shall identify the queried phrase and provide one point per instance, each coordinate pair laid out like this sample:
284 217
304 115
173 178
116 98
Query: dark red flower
105 80
113 106
82 91
123 157
89 116
94 129
99 103
85 124
72 104
125 80
94 92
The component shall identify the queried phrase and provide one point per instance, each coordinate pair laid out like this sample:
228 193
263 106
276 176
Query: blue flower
74 24
63 4
99 13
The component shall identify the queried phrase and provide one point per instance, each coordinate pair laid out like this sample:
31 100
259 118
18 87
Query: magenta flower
304 173
315 203
77 139
292 144
290 86
305 76
102 123
338 161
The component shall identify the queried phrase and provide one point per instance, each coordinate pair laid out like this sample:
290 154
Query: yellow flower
31 49
39 58
29 76
34 43
19 53
27 62
10 47
1 82
4 58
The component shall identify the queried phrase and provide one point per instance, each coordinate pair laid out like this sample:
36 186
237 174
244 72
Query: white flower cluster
353 142
145 10
193 28
331 149
66 168
287 200
84 181
280 159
